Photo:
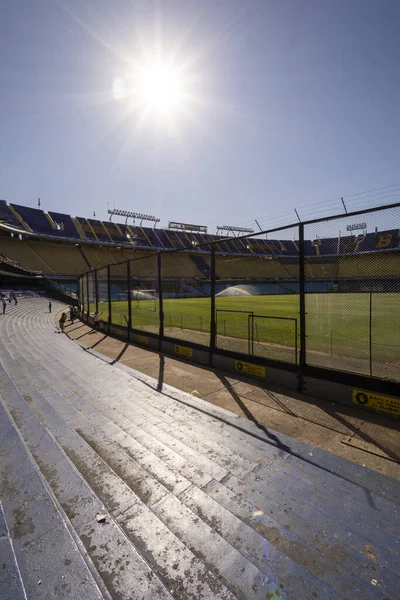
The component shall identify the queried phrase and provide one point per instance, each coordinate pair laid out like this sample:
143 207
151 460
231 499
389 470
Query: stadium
234 294
113 481
199 300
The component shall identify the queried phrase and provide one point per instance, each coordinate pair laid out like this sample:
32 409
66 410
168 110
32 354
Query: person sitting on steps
62 320
96 320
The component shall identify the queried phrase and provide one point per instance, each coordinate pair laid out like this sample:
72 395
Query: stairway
198 503
201 264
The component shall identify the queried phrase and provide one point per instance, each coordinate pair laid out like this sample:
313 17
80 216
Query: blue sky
290 103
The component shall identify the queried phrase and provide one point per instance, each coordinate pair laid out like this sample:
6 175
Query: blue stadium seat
144 237
165 241
98 229
7 216
152 237
201 264
113 232
35 218
125 232
66 224
86 228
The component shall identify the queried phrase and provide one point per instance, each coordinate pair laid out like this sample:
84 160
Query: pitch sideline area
198 503
338 326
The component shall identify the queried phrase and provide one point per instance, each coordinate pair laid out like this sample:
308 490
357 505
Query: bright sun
159 87
158 90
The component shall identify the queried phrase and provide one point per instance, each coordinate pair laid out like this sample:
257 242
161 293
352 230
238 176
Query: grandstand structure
286 296
62 246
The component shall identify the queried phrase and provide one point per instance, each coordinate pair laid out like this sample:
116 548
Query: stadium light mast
132 215
234 230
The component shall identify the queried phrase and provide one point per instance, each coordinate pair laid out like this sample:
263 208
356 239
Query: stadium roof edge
13 229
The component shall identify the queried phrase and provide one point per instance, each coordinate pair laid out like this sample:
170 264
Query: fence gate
274 337
257 335
234 330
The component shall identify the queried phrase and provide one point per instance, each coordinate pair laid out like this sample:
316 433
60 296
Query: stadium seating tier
35 219
7 216
62 225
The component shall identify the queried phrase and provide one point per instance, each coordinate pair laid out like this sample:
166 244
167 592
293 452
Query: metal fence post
213 329
302 306
248 333
78 293
109 297
370 334
160 299
252 334
96 290
128 287
87 292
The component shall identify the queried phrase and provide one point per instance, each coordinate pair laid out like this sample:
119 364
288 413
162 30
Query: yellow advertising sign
249 369
142 339
183 351
381 403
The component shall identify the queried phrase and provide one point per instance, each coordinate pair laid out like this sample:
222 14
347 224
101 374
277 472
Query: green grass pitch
336 323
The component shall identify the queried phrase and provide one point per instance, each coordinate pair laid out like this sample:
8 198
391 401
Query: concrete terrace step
165 410
374 476
133 479
289 465
156 543
147 489
199 503
11 585
155 496
304 478
42 558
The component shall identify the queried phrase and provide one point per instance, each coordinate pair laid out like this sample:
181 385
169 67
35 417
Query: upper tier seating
114 231
7 216
65 224
145 236
86 228
99 231
34 218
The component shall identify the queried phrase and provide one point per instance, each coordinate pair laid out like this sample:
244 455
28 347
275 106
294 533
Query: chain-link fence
257 298
145 294
102 303
353 322
186 291
323 294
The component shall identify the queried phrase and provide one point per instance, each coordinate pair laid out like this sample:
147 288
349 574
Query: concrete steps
41 557
199 503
